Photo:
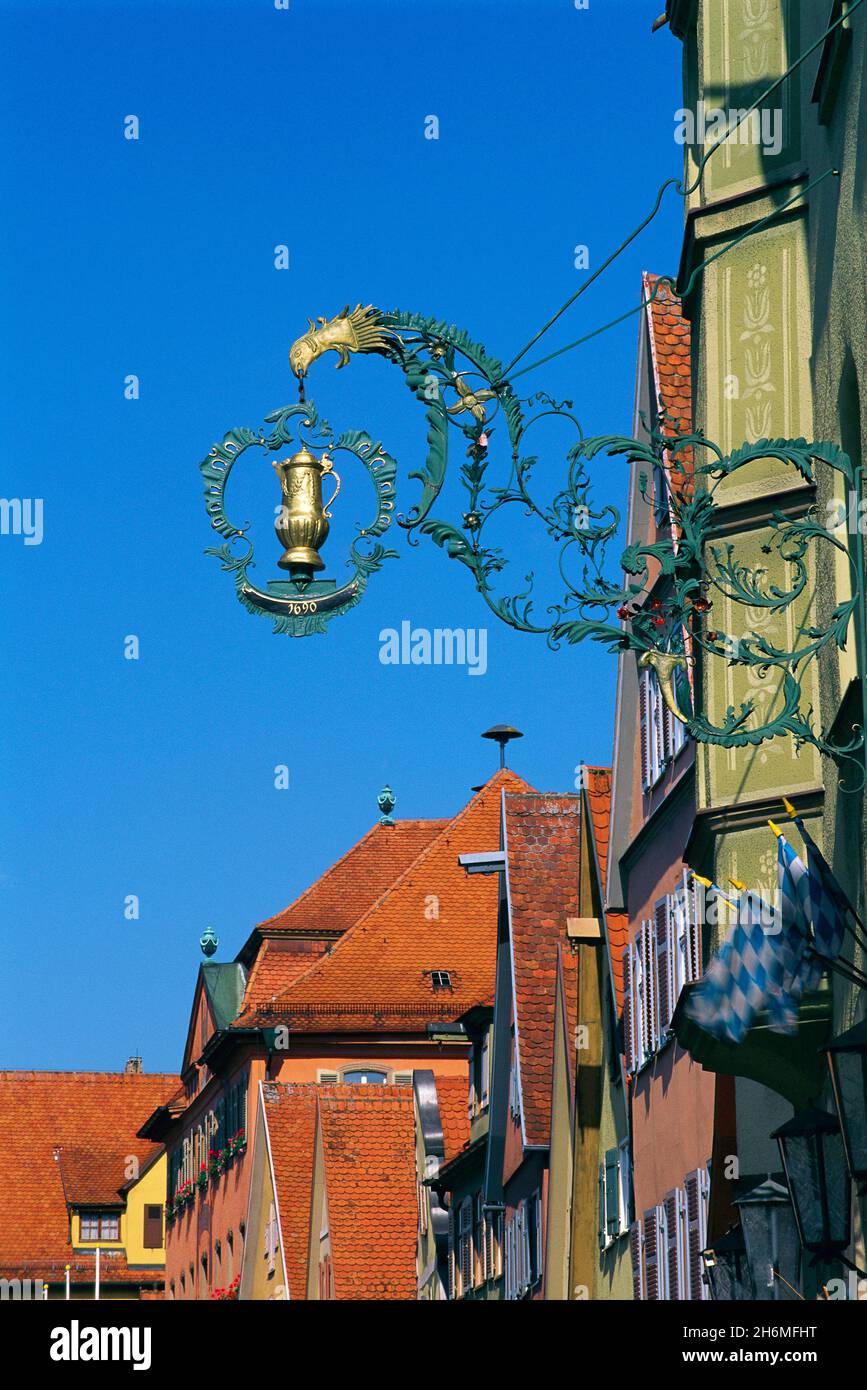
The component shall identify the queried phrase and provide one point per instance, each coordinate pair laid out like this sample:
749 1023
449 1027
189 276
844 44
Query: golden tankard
302 525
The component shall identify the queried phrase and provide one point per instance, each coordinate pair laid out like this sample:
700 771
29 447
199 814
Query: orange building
360 981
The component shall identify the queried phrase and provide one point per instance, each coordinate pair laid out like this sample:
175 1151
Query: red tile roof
431 917
618 935
290 1114
599 798
368 1143
669 334
567 963
91 1118
337 899
670 350
543 841
453 1099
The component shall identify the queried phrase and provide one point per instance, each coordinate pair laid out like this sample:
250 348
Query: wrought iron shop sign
659 603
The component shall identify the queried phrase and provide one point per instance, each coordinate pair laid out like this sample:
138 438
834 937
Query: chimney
133 1066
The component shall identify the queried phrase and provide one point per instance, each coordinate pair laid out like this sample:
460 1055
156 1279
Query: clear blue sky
262 126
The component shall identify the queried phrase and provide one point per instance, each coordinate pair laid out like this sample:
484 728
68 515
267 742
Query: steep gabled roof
432 917
90 1119
368 1146
543 843
290 1117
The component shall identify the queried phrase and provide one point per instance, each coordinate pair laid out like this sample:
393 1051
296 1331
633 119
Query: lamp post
847 1062
727 1268
771 1237
811 1148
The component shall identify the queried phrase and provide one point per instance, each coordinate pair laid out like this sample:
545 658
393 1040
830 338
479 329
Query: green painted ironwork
663 619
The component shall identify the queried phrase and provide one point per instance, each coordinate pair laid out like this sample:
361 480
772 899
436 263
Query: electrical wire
683 191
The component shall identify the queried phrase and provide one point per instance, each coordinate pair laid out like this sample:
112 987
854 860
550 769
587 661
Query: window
479 1076
367 1076
665 955
493 1244
523 1254
465 1246
440 979
153 1227
666 1246
696 1192
514 1085
662 735
614 1195
97 1225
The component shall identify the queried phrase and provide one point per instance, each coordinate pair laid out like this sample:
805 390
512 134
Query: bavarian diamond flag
759 966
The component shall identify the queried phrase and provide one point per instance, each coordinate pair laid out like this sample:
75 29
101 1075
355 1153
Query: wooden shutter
612 1193
648 990
636 1250
327 1078
692 905
153 1227
628 1034
655 1253
673 1204
696 1188
402 1078
643 726
656 707
665 966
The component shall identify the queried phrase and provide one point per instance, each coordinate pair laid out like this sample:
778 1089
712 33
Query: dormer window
100 1225
440 979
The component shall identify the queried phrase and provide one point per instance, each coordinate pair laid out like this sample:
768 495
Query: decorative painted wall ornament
659 600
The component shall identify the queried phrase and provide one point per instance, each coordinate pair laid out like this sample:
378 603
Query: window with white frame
661 734
664 955
493 1221
523 1252
614 1195
514 1086
479 1076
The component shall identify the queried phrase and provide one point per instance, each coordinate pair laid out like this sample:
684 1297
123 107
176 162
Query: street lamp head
771 1236
847 1062
811 1148
727 1269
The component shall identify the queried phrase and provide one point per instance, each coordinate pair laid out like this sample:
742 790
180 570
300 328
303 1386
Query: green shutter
601 1222
612 1193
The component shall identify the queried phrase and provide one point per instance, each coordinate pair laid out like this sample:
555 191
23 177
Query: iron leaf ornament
658 606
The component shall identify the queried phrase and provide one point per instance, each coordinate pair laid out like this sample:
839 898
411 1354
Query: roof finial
386 801
208 941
